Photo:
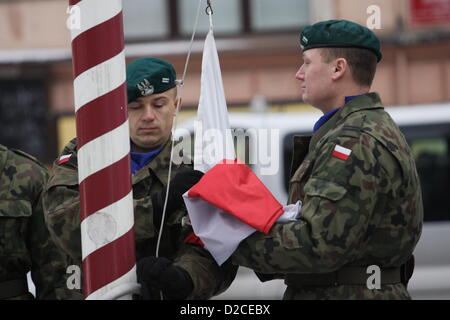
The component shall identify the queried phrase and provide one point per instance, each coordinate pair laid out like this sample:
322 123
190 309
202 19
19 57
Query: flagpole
106 201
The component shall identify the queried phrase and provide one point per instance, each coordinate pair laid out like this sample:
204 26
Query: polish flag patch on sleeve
341 152
64 158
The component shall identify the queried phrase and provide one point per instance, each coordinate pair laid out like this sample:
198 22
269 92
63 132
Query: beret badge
145 87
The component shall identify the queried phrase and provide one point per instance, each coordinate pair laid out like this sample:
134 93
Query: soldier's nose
300 75
148 113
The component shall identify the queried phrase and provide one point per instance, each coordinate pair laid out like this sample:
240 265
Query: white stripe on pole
115 216
107 224
99 80
95 12
107 149
115 289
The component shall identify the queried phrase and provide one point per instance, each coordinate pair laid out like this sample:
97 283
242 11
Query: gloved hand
161 273
180 183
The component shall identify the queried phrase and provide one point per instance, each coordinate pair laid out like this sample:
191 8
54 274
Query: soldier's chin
146 145
305 98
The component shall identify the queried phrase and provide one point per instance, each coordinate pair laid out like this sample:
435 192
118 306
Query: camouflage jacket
25 244
366 210
61 206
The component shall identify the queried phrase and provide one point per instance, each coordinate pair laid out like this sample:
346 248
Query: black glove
181 182
162 274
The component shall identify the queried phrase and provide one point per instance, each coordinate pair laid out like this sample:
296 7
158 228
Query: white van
427 129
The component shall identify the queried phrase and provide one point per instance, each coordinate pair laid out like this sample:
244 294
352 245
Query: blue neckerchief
329 114
140 160
350 98
324 119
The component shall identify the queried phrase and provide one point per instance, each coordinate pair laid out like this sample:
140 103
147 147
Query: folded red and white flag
227 205
234 188
221 232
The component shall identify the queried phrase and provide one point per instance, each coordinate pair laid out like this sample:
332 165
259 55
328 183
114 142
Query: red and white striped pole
106 201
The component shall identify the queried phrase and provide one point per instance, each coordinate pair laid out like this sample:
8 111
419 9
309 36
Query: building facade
258 47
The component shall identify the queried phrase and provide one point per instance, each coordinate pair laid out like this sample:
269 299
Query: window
430 147
23 116
144 19
288 146
227 17
170 19
273 15
433 166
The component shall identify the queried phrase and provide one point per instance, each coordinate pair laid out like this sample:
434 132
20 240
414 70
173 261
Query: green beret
146 76
340 33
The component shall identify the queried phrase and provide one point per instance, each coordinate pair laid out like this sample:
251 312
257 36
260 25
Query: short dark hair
362 62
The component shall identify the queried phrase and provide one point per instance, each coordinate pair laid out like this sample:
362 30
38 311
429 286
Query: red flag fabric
234 188
193 239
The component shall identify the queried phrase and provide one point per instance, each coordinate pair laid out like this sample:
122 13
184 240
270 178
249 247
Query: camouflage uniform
25 244
366 210
61 205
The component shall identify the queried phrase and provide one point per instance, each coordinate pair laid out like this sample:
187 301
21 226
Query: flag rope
174 125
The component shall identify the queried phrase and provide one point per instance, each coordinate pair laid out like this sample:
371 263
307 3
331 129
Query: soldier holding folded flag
184 268
356 177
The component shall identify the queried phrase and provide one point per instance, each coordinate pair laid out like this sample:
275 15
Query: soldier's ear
177 106
340 67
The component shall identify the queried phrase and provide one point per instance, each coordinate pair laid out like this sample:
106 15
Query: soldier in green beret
184 269
362 208
25 243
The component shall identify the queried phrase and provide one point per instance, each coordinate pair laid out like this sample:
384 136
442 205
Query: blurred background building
258 47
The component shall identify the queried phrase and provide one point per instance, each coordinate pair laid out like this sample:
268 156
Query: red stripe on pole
105 187
101 271
98 44
101 115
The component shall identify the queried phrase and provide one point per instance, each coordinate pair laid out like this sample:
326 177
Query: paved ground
246 286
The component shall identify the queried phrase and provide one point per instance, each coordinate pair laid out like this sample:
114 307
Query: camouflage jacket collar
364 102
159 166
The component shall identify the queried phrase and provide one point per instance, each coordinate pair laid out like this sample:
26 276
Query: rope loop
209 11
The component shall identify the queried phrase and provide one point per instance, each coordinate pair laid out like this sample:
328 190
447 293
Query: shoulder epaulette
26 155
72 144
354 128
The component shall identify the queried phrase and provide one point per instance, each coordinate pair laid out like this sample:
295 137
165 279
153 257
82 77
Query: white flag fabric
213 139
220 232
